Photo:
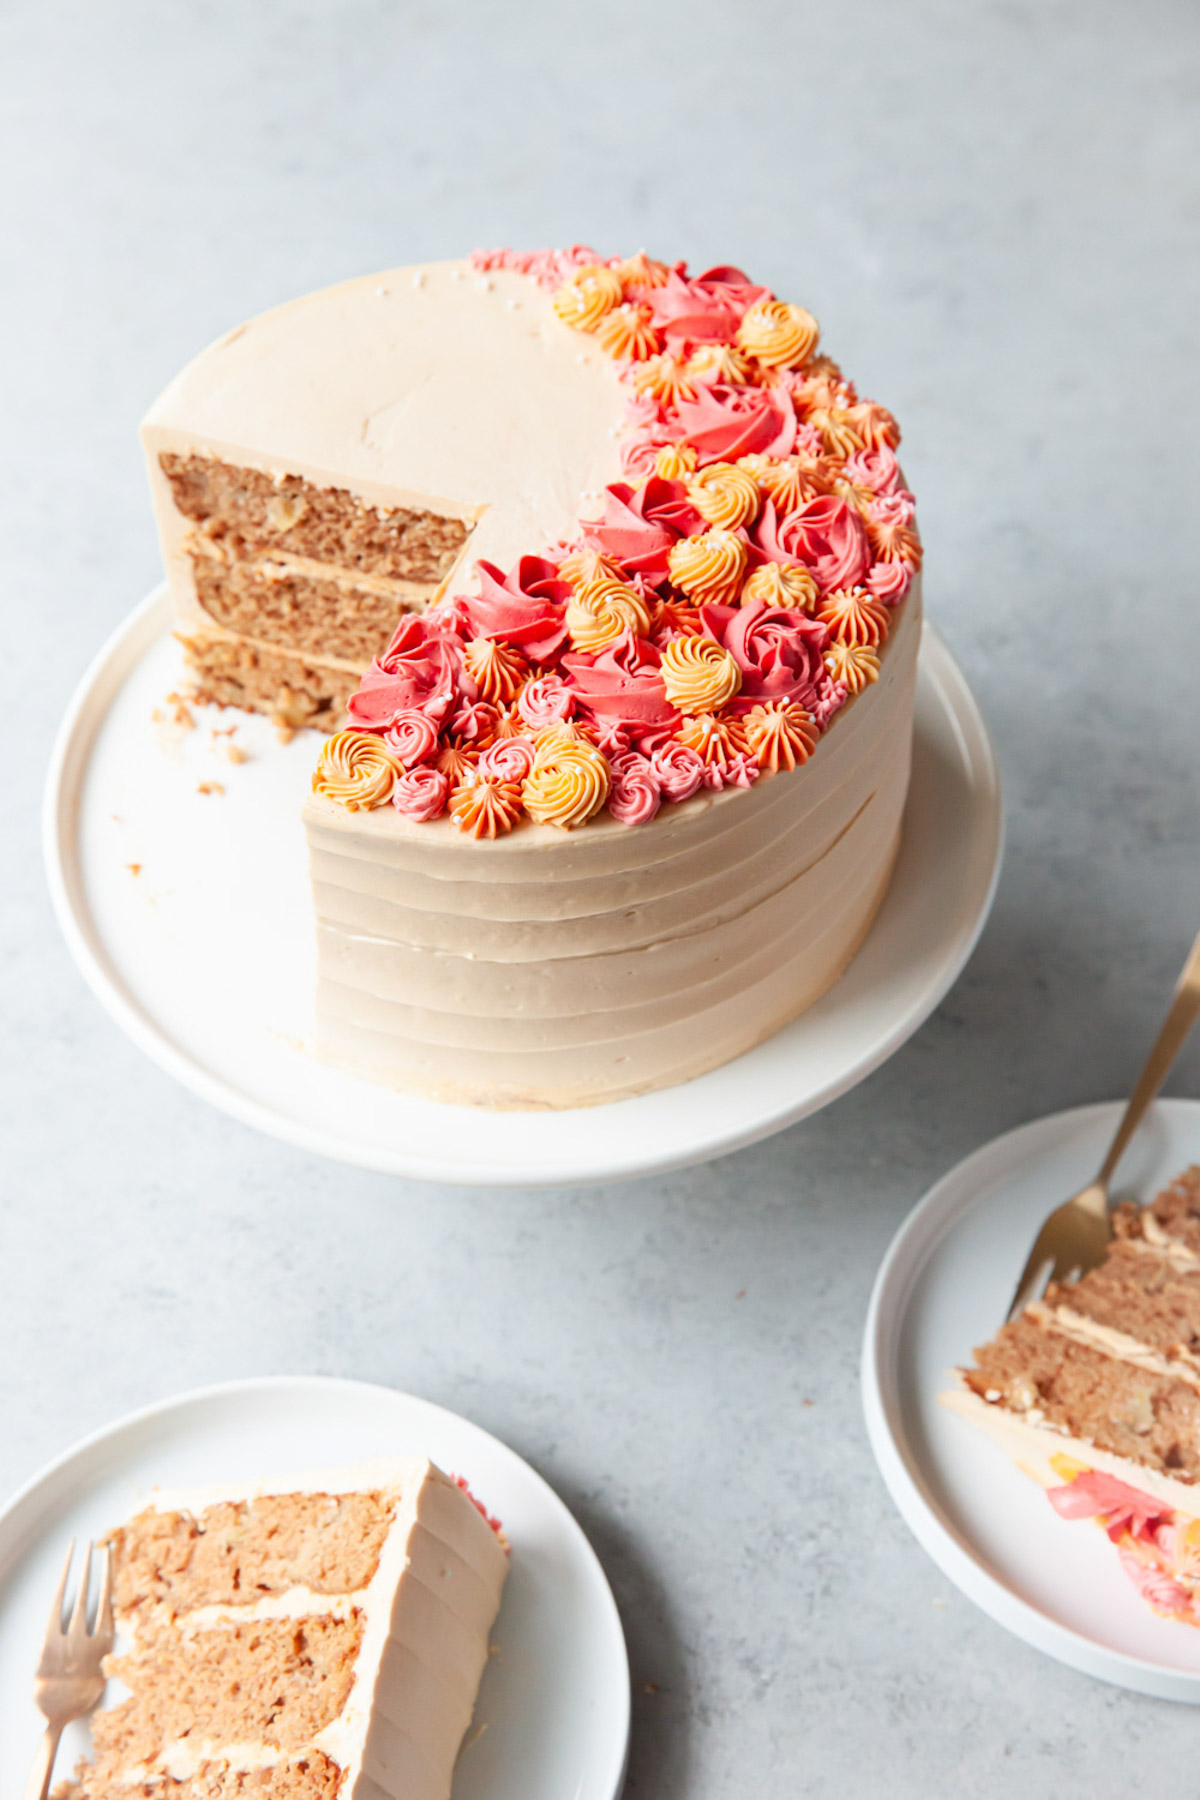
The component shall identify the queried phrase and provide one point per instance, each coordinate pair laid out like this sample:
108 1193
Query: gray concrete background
994 210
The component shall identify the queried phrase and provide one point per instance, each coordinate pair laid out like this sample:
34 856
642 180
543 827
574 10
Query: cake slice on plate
319 1637
1095 1391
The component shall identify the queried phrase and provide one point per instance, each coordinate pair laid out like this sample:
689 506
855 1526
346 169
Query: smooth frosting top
443 387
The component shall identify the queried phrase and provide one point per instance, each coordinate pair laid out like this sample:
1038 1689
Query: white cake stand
189 915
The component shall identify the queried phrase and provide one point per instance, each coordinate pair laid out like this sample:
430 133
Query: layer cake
611 579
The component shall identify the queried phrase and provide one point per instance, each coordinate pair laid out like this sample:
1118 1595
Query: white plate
944 1287
555 1698
207 956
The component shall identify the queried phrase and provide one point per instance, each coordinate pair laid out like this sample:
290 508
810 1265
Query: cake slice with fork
298 1640
1095 1391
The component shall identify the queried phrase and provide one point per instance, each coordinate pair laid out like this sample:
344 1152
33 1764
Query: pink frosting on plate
723 423
1124 1508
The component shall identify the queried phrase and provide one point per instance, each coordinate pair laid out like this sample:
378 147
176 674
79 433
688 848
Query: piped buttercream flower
545 701
641 271
674 462
875 425
709 567
356 769
568 784
636 793
714 740
486 808
678 769
889 527
496 668
778 334
600 614
837 427
455 763
508 759
781 585
781 735
853 617
626 332
474 724
664 379
589 568
725 494
420 794
699 675
591 291
413 736
789 484
722 363
855 665
889 581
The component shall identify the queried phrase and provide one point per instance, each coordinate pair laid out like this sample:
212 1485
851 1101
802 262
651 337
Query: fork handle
43 1764
1177 1026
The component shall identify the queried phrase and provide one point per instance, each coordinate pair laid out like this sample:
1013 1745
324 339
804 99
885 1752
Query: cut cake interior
327 466
1095 1391
317 1638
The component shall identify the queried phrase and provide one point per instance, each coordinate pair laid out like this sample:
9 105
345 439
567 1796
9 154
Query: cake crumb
235 753
741 1294
134 868
651 1687
285 733
210 787
181 713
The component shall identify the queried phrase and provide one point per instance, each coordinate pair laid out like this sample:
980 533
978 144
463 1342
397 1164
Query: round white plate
190 916
944 1287
555 1696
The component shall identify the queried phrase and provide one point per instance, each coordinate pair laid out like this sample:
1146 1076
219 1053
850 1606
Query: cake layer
309 1776
274 1682
236 1552
1141 1294
326 619
251 514
399 423
292 689
1152 1418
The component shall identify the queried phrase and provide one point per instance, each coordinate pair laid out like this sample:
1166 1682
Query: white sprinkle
458 275
419 278
512 305
486 283
381 291
581 356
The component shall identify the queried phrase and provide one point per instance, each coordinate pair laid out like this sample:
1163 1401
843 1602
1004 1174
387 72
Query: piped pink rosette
735 425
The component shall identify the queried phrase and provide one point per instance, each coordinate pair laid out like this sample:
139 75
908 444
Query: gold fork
1075 1237
70 1679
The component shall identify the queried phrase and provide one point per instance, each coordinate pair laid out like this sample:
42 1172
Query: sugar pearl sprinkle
762 524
